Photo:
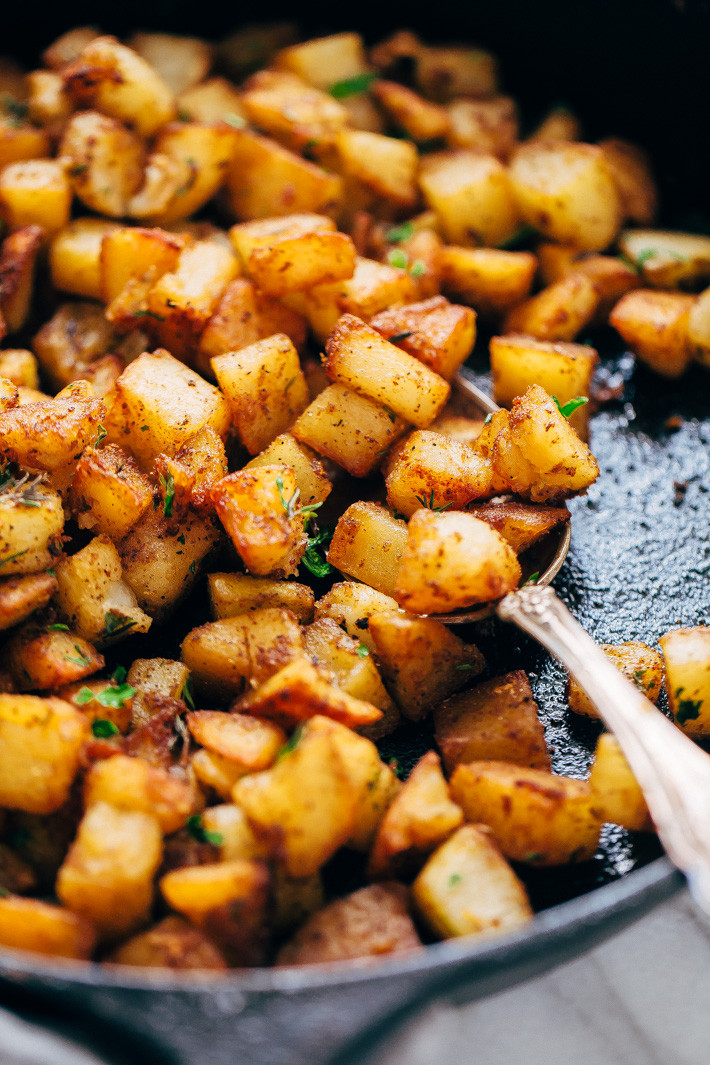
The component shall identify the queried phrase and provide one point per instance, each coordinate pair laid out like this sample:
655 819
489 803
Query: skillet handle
674 773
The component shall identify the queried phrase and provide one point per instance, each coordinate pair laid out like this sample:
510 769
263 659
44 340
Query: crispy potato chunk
497 719
617 793
173 943
180 61
351 605
472 195
637 661
559 312
45 661
247 740
666 258
27 924
371 922
108 492
438 473
236 593
104 161
686 653
293 253
21 595
75 256
521 524
31 523
36 193
438 333
312 480
655 326
467 888
367 544
489 279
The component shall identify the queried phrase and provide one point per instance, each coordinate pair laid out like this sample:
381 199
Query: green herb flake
533 856
532 579
235 120
362 651
397 234
80 659
181 538
187 695
428 504
417 268
569 408
313 560
291 743
83 696
454 879
79 168
464 667
100 436
488 419
398 337
117 623
644 255
341 90
198 831
148 314
167 483
116 695
191 567
687 709
16 110
390 414
58 626
398 258
119 675
102 728
144 428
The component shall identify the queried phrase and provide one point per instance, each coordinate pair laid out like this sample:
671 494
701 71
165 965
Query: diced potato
446 71
489 126
28 924
472 195
453 560
489 279
68 47
559 312
419 118
199 154
432 471
535 817
180 61
237 841
613 277
18 257
212 100
236 593
538 453
325 61
367 544
217 774
293 253
567 191
172 943
385 166
104 161
70 341
50 434
46 661
373 287
438 333
75 256
666 258
521 524
563 370
20 141
686 653
242 316
152 680
48 103
631 170
311 479
108 492
637 661
35 193
31 523
467 888
119 82
497 719
559 124
293 112
133 253
101 700
40 751
19 366
351 605
617 793
249 741
421 660
20 596
370 923
655 326
133 784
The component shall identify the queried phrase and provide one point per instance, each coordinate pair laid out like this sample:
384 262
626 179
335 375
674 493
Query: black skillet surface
638 564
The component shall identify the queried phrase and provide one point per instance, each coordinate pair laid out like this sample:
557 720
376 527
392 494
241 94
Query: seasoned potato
617 793
490 279
686 653
655 325
367 544
473 196
637 661
27 924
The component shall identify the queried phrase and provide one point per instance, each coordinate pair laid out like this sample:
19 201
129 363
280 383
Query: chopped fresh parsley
341 90
569 408
80 659
401 336
532 579
464 666
102 728
313 560
114 696
16 110
291 742
397 257
390 414
417 268
117 623
198 831
291 505
101 435
148 314
454 879
58 626
488 419
362 651
187 695
397 234
191 567
686 709
167 483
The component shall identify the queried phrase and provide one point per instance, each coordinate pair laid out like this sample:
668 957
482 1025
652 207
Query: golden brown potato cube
197 154
612 276
632 173
108 492
134 784
666 258
161 560
75 335
367 544
369 923
468 888
351 605
266 179
151 679
489 279
212 100
637 661
445 71
655 326
559 312
19 366
172 943
20 596
421 660
535 817
373 287
107 876
453 560
265 388
94 598
75 256
438 333
182 300
419 118
48 103
313 482
299 691
472 195
28 924
385 166
250 741
116 80
221 655
686 653
185 479
521 524
617 794
497 719
104 161
36 192
259 509
243 316
325 61
216 774
419 818
20 141
304 807
236 593
489 126
50 434
68 47
539 454
432 471
41 661
160 403
291 261
348 428
132 252
180 61
359 357
567 191
564 370
18 257
31 523
293 112
237 841
39 753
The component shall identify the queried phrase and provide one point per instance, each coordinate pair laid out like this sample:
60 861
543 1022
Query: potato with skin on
21 595
564 370
438 333
232 594
468 888
421 660
134 784
290 254
453 560
617 793
40 751
567 191
107 876
35 193
655 326
28 924
370 923
686 653
472 195
31 524
432 471
367 544
18 258
265 389
419 818
251 742
75 256
639 663
351 605
535 816
172 943
497 719
538 454
559 312
489 279
46 661
108 492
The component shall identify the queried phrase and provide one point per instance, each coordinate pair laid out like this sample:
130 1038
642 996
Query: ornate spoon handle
674 773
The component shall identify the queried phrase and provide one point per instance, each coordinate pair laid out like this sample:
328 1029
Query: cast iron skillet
638 565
